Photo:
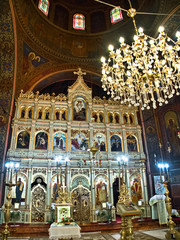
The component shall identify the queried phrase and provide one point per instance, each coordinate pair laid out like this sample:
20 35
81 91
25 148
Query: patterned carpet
96 236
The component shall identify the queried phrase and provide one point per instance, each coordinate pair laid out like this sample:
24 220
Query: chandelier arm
111 5
135 26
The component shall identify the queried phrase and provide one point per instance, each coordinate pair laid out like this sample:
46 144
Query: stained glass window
116 15
79 21
44 6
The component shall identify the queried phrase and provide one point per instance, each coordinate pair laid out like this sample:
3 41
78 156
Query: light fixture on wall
145 73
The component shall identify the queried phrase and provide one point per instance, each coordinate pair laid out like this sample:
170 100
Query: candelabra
164 177
124 200
145 73
8 205
123 192
60 186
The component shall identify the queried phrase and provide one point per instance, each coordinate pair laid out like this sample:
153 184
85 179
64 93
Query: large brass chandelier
145 73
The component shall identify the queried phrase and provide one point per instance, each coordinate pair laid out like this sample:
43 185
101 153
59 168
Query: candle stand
8 204
124 207
171 233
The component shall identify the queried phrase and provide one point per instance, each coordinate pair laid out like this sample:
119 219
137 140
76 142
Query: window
116 15
79 22
44 6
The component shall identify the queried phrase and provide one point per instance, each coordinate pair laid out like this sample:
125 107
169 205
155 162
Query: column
98 120
94 216
124 141
26 111
35 110
69 114
144 181
48 200
108 140
89 112
140 141
32 137
91 136
13 139
105 113
28 200
68 176
18 107
127 183
111 200
68 137
135 118
121 117
51 131
52 111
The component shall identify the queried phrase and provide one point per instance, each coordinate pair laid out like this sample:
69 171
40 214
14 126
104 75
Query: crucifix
79 73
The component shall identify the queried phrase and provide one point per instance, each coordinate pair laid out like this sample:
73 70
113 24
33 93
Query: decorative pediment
80 88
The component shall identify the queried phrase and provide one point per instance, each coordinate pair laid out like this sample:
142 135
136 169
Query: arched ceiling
66 49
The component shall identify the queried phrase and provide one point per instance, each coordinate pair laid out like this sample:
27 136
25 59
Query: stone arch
39 113
94 115
80 177
125 118
135 183
110 117
47 114
117 118
101 183
30 111
131 118
23 112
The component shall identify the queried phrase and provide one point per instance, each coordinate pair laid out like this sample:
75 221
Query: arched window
44 6
79 21
110 118
30 113
40 114
116 15
23 113
47 115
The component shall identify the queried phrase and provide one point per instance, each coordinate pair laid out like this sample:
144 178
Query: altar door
81 204
38 204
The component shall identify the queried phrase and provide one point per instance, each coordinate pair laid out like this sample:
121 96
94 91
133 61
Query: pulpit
158 208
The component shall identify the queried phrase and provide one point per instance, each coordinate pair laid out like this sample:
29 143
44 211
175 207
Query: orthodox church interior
76 140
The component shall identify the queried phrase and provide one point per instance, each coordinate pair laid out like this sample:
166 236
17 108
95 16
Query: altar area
64 226
61 231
